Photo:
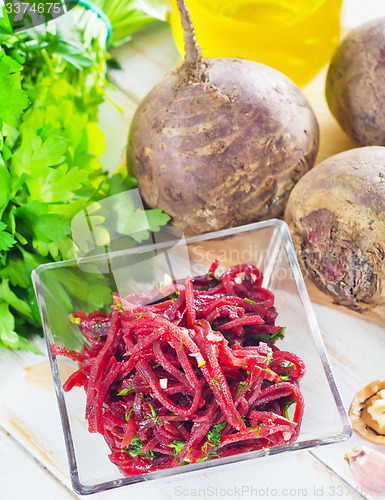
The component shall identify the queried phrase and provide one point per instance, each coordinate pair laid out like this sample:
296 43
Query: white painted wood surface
33 463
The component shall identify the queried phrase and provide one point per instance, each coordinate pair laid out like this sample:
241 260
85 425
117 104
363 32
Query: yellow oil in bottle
297 37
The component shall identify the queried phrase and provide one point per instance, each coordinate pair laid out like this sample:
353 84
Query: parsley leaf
6 239
272 337
13 100
35 221
135 449
5 187
8 336
177 446
214 434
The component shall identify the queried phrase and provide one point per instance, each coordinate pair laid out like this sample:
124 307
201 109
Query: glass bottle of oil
297 37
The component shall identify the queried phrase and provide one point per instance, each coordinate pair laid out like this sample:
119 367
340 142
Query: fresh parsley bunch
52 81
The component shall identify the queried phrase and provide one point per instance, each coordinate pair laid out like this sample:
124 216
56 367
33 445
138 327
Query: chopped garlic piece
200 359
163 383
214 337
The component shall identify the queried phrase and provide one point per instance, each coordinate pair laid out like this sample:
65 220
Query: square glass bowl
87 284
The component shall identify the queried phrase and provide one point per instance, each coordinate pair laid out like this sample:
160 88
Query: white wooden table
33 463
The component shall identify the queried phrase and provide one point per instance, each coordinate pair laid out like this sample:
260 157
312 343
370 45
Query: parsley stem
48 62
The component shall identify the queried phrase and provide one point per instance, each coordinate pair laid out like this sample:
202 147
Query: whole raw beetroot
336 215
221 142
355 88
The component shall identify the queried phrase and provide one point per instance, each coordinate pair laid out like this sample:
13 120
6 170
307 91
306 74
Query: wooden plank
332 138
22 477
356 12
145 60
114 119
295 476
28 410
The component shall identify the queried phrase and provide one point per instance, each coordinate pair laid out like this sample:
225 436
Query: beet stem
193 57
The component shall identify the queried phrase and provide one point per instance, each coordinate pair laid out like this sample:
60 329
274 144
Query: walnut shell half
360 419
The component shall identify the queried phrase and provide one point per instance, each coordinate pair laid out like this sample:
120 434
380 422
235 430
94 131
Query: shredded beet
191 376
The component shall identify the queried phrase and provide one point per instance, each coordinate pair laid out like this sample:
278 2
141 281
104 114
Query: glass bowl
87 284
